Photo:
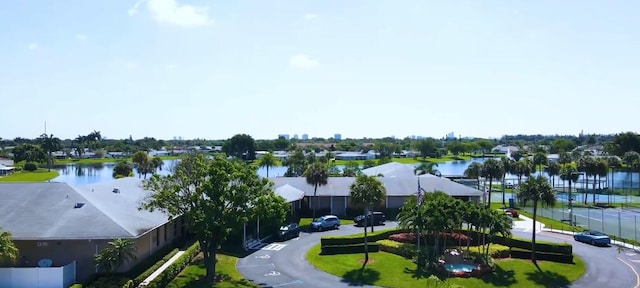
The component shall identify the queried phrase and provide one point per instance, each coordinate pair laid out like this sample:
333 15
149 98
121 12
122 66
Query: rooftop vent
78 205
116 190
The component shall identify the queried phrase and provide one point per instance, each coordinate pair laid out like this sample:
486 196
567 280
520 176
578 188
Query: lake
75 174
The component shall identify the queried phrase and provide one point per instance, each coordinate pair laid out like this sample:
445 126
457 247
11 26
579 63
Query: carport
292 195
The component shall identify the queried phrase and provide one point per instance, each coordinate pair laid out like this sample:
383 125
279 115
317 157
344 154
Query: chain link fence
618 223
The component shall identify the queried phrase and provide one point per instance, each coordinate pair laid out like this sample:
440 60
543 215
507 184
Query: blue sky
212 69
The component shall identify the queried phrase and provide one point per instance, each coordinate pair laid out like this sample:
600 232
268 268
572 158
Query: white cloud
310 16
169 11
81 37
303 61
33 46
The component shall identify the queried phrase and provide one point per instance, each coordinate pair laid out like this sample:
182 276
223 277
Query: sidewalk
161 269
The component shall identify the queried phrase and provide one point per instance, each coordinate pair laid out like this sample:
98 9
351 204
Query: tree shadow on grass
359 277
548 278
222 279
419 273
500 277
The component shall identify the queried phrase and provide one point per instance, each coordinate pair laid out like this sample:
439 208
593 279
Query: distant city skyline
210 70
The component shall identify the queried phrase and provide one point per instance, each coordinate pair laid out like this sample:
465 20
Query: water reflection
93 173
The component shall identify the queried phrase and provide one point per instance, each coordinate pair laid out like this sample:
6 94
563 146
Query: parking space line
634 272
288 283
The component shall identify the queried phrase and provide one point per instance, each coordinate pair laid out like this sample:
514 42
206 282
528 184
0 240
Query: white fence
38 277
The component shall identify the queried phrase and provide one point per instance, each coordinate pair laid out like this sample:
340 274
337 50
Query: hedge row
154 267
405 250
524 244
555 257
176 267
358 238
554 248
348 249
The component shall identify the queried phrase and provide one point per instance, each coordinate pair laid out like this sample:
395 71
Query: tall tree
631 159
507 167
426 168
553 170
119 252
268 161
216 197
50 144
539 191
122 169
602 170
316 175
8 250
540 160
367 192
241 146
474 171
491 169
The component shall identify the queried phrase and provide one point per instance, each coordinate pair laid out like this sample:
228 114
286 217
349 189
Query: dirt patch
361 261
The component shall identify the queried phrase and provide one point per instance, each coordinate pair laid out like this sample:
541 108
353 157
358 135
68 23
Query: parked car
509 186
289 231
593 237
325 222
512 212
378 219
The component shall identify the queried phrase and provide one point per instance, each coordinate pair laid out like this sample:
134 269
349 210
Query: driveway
284 264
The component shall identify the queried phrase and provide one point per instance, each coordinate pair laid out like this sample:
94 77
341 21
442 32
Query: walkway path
161 269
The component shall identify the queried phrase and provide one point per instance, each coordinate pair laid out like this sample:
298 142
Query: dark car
289 231
378 219
593 237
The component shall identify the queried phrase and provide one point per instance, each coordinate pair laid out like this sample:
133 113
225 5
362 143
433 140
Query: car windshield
596 233
318 220
284 228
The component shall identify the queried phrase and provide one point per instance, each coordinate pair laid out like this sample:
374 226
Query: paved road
603 268
284 264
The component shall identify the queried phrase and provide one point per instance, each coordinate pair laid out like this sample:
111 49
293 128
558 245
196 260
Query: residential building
305 136
337 137
284 136
355 156
60 224
399 180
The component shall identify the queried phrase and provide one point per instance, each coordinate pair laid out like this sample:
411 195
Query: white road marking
634 272
272 273
274 247
288 283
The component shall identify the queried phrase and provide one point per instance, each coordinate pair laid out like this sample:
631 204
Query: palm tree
540 160
538 190
508 166
367 191
50 144
523 168
474 171
426 168
157 163
630 158
79 144
491 169
8 250
553 170
602 170
316 175
564 158
268 161
569 173
120 252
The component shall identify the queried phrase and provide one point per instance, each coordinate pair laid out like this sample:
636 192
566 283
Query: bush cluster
176 267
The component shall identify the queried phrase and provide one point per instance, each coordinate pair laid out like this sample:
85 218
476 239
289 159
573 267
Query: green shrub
139 278
554 257
129 284
525 244
348 249
495 251
359 238
405 250
30 166
77 285
176 267
109 281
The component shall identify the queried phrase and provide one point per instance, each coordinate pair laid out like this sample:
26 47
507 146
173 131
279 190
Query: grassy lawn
390 270
35 176
192 276
446 158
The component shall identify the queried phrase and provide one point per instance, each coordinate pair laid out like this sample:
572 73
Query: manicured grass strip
193 275
35 176
390 270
